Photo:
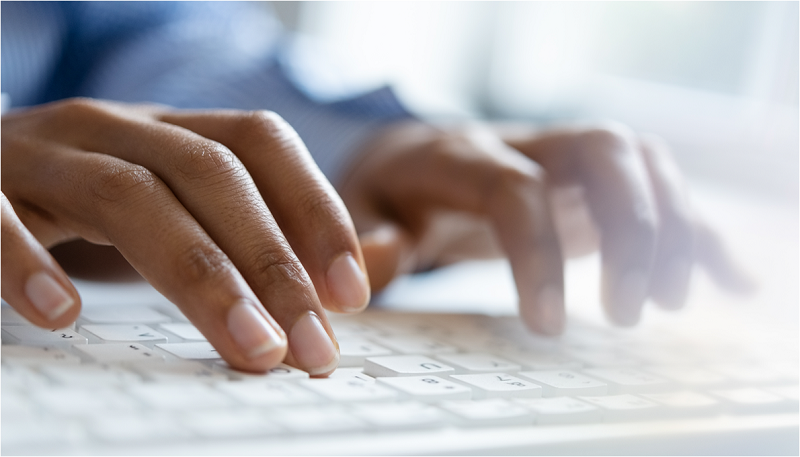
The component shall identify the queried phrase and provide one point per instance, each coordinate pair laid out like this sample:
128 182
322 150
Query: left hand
422 196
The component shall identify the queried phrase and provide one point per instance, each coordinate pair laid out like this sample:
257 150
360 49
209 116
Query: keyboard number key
556 383
404 365
34 336
496 385
428 388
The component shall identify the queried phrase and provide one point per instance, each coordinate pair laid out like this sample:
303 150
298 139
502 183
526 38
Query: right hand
224 212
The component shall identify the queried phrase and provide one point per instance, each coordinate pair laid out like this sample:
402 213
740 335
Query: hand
422 196
224 212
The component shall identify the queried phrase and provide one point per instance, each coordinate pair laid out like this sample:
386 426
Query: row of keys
373 335
552 382
178 411
343 386
402 334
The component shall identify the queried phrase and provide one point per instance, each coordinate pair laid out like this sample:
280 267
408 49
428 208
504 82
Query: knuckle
278 269
206 161
315 204
116 183
263 123
515 183
609 137
81 107
514 178
201 263
270 131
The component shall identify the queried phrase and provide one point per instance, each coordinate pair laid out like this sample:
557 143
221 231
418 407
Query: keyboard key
542 361
179 397
628 380
139 428
190 351
625 407
10 316
683 403
83 402
323 419
755 401
601 358
556 383
351 389
29 335
492 412
690 376
415 344
347 329
353 352
404 365
119 353
123 333
478 362
268 393
230 424
183 371
182 332
497 385
89 375
561 410
22 377
282 372
749 374
408 414
428 388
357 373
122 315
28 355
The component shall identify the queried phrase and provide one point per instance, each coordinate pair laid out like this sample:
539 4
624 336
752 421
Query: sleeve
234 56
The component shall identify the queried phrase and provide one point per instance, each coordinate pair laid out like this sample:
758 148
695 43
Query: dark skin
226 214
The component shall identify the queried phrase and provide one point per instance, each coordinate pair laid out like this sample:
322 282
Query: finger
714 257
606 163
214 186
478 173
32 281
109 201
306 207
672 267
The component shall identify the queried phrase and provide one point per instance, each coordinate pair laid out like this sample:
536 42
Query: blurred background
718 80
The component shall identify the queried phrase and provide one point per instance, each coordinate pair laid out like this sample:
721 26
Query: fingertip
544 313
312 349
260 344
348 284
670 286
624 295
56 301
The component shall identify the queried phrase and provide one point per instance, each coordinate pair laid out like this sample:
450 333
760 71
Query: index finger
476 172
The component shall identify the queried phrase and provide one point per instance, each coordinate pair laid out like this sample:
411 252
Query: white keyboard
142 380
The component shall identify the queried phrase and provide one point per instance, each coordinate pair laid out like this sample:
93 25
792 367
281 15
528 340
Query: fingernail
550 310
311 345
47 295
251 331
631 293
348 284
